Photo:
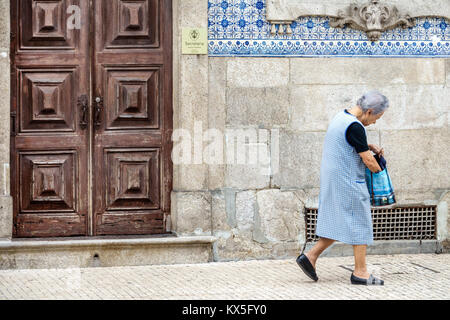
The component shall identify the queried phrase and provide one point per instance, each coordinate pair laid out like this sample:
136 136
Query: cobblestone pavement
424 276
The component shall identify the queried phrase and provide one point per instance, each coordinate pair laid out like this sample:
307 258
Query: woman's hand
370 162
376 149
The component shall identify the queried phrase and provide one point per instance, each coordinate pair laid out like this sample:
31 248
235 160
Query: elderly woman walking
344 205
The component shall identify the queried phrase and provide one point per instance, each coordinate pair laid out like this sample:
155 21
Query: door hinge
13 35
13 124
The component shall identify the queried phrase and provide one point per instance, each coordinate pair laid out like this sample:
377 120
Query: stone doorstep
85 253
382 247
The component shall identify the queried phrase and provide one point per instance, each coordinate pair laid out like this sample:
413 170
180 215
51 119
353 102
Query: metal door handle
83 105
98 111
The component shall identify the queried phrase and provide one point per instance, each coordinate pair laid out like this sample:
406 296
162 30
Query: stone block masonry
304 95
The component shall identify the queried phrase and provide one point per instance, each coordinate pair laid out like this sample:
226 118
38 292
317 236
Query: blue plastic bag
380 186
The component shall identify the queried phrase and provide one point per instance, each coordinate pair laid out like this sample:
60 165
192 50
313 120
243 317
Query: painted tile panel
240 28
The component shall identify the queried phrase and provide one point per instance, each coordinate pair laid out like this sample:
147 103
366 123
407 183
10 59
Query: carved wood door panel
132 133
49 146
91 107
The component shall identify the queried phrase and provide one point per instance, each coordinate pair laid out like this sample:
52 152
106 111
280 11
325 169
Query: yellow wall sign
195 41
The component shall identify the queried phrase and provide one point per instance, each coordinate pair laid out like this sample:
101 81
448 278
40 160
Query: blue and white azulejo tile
240 28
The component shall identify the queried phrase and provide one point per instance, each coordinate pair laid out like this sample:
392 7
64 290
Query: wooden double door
91 117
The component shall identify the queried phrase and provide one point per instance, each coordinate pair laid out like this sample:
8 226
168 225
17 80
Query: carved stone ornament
373 18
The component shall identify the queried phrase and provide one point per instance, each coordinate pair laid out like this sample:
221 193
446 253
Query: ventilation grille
400 223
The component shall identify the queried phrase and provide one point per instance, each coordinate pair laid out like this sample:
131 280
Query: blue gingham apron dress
344 212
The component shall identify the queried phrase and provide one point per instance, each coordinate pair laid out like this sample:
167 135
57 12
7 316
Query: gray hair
373 100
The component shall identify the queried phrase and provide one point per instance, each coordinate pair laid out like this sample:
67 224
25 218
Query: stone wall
258 215
5 199
262 216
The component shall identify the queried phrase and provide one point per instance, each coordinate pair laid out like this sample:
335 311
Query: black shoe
308 269
372 281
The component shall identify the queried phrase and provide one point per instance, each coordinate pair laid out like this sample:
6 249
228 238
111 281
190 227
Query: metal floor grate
400 223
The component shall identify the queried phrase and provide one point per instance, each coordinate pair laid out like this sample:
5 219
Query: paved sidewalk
425 276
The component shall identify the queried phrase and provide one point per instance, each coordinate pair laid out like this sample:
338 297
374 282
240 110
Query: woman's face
369 117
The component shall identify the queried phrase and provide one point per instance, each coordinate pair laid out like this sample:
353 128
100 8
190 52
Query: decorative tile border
239 28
